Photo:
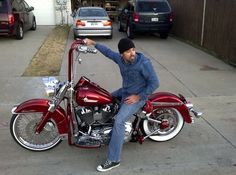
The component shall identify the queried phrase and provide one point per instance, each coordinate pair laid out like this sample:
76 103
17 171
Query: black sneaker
108 165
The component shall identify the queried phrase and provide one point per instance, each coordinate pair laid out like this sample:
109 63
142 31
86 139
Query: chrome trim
154 132
89 100
50 91
13 110
189 105
51 83
191 109
153 120
167 103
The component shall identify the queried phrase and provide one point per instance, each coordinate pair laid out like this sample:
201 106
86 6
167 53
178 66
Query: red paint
167 97
85 89
41 105
88 93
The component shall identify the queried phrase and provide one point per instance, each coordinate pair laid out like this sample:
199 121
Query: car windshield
153 6
92 12
3 6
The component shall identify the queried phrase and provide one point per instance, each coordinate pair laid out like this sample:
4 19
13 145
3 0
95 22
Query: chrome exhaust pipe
191 109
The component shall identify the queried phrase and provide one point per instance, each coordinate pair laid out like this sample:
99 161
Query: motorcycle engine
101 136
102 114
96 125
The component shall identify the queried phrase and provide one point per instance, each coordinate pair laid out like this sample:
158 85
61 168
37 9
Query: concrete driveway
206 147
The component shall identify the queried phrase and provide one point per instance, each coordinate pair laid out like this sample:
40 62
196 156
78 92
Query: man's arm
104 50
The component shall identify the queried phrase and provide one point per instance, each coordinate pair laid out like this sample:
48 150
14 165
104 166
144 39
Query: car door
29 15
124 17
4 18
24 14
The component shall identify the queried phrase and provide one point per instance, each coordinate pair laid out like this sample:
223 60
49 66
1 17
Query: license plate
94 23
154 19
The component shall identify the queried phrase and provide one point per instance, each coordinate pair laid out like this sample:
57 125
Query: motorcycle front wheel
22 127
171 124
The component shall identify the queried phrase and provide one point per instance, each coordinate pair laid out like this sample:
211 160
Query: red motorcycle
89 111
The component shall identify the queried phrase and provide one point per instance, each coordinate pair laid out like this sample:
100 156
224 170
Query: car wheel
130 32
163 35
109 37
120 27
19 32
34 25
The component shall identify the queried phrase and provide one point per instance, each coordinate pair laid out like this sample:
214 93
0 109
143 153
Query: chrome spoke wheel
23 131
171 124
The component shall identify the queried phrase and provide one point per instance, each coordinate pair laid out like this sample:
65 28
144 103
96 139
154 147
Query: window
26 5
3 6
16 6
92 12
152 6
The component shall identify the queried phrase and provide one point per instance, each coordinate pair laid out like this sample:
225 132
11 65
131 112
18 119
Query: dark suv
16 17
149 16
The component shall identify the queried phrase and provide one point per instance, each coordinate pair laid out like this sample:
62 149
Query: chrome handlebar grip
85 49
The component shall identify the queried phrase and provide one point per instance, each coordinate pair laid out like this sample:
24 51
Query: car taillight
171 17
107 23
11 19
80 23
136 17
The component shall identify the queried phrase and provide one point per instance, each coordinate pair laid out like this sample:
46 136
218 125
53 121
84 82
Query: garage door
44 11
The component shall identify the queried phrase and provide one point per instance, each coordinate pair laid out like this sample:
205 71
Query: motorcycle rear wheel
22 127
175 125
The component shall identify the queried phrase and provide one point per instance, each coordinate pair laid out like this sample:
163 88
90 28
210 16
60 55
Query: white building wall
44 10
47 12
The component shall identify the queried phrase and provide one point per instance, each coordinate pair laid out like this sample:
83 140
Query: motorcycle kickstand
153 120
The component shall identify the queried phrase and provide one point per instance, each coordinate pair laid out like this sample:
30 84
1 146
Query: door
124 17
25 15
4 16
29 15
126 14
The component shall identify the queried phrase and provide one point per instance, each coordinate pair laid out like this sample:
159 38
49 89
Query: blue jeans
118 131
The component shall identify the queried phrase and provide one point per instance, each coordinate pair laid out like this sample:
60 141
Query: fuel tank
90 94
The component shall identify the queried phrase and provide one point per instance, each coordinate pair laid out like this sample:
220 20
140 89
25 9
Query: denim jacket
138 78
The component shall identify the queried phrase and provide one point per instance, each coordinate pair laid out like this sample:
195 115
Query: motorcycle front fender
169 100
41 106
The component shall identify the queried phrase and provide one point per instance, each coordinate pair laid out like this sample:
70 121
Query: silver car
92 21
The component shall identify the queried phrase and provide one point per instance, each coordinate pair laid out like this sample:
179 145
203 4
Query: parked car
150 16
92 21
16 17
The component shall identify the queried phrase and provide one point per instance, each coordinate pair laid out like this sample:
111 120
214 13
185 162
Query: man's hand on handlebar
89 42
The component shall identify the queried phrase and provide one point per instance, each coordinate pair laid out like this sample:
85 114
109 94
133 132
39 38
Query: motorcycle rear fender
41 106
169 100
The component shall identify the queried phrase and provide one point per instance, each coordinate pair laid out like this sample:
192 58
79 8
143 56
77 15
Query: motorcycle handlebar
85 49
78 45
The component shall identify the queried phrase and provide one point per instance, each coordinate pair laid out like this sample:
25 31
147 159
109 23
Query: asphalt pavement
206 147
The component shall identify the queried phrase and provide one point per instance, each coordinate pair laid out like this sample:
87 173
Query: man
139 81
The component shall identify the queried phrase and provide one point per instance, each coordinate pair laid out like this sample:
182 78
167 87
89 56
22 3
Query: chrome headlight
51 85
